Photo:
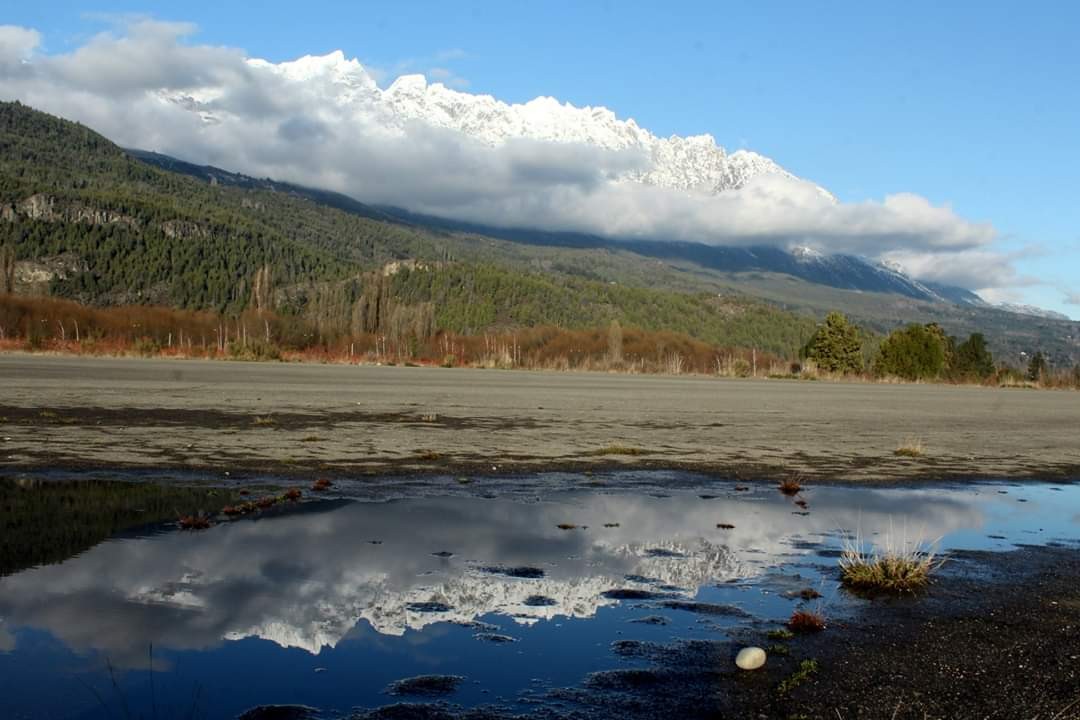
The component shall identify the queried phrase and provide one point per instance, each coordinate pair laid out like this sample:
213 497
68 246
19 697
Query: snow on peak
892 266
693 162
801 252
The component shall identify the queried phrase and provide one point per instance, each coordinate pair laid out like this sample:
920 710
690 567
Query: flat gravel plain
299 419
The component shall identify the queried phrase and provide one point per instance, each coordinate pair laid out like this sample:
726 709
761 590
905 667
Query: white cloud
147 86
1072 298
17 44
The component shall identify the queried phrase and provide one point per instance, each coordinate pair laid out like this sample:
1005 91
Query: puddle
478 601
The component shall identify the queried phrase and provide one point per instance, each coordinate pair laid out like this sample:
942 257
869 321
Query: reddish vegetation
265 502
790 486
194 522
55 325
804 621
321 484
293 494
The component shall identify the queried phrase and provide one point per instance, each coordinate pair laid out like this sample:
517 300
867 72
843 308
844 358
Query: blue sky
969 104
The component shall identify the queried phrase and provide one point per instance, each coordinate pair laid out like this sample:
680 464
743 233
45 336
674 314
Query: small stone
750 658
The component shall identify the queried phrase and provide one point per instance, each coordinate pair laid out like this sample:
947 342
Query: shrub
918 352
147 346
806 621
254 350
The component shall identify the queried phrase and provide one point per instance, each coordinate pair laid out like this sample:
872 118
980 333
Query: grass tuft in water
791 485
897 567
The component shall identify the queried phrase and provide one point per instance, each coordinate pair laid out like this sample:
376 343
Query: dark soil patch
279 712
225 420
633 594
539 601
704 608
663 553
495 638
429 607
652 620
425 685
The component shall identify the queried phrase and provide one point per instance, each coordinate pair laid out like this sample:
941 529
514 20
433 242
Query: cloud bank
324 122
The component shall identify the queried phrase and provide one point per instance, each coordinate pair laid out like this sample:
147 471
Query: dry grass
806 621
911 448
264 420
897 566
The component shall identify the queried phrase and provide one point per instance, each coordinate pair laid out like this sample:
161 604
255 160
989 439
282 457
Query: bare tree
615 342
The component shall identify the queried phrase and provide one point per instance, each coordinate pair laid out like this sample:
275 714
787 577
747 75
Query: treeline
922 353
51 324
408 334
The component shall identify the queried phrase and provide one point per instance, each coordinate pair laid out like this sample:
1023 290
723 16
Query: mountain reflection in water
398 571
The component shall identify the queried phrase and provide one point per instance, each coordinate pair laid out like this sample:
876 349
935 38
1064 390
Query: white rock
750 658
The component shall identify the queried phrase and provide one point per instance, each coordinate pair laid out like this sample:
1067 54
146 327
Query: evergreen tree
1036 367
973 358
835 345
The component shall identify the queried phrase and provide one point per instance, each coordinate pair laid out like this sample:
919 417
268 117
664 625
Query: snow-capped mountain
684 163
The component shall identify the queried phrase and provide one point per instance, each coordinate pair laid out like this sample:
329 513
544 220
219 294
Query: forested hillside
85 220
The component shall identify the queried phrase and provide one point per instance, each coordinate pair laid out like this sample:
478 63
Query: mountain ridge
101 225
836 270
695 162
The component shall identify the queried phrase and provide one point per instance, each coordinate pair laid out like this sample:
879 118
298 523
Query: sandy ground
352 420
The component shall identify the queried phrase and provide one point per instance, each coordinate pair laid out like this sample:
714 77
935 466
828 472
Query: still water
330 604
